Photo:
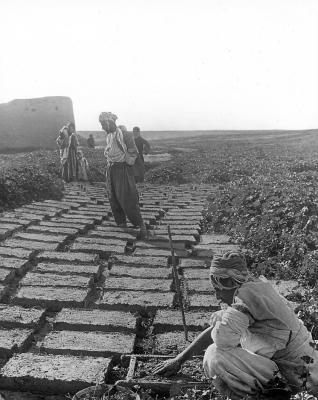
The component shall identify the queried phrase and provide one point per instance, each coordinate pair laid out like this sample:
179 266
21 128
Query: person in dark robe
91 141
121 154
143 147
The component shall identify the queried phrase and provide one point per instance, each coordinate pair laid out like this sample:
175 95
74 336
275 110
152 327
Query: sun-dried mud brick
20 317
97 344
53 374
13 340
94 320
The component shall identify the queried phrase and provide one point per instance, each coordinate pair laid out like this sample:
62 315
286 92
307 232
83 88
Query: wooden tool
177 284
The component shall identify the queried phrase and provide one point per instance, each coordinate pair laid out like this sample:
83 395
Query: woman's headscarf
65 127
69 126
62 139
230 265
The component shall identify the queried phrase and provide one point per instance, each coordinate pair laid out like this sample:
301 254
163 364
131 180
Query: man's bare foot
143 233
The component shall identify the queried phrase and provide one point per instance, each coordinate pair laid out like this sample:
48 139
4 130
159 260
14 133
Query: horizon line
216 130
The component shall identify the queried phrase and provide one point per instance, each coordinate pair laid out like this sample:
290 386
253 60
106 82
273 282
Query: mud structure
33 123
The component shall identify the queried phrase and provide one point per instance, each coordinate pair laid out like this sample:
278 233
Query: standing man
121 154
143 147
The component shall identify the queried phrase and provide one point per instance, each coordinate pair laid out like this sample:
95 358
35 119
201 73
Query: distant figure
91 141
123 128
143 147
72 153
63 143
82 167
121 153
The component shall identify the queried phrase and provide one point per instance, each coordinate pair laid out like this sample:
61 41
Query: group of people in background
124 154
73 163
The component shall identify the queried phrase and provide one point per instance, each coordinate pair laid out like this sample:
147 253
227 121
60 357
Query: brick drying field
77 292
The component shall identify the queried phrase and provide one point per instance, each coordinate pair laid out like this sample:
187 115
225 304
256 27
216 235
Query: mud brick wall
33 123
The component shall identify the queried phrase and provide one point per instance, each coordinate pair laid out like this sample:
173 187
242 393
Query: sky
166 64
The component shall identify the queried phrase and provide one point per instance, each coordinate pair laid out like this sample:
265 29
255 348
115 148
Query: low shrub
29 176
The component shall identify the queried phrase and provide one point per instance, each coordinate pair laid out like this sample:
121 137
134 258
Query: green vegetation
267 201
266 197
29 176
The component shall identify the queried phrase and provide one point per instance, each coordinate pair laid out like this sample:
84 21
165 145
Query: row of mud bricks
77 292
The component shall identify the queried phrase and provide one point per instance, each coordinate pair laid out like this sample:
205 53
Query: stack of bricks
70 293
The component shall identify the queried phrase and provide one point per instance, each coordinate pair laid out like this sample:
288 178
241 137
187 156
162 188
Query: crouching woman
254 340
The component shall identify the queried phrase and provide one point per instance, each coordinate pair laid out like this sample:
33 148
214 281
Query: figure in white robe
255 341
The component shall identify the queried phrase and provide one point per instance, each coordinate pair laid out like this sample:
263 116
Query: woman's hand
168 368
